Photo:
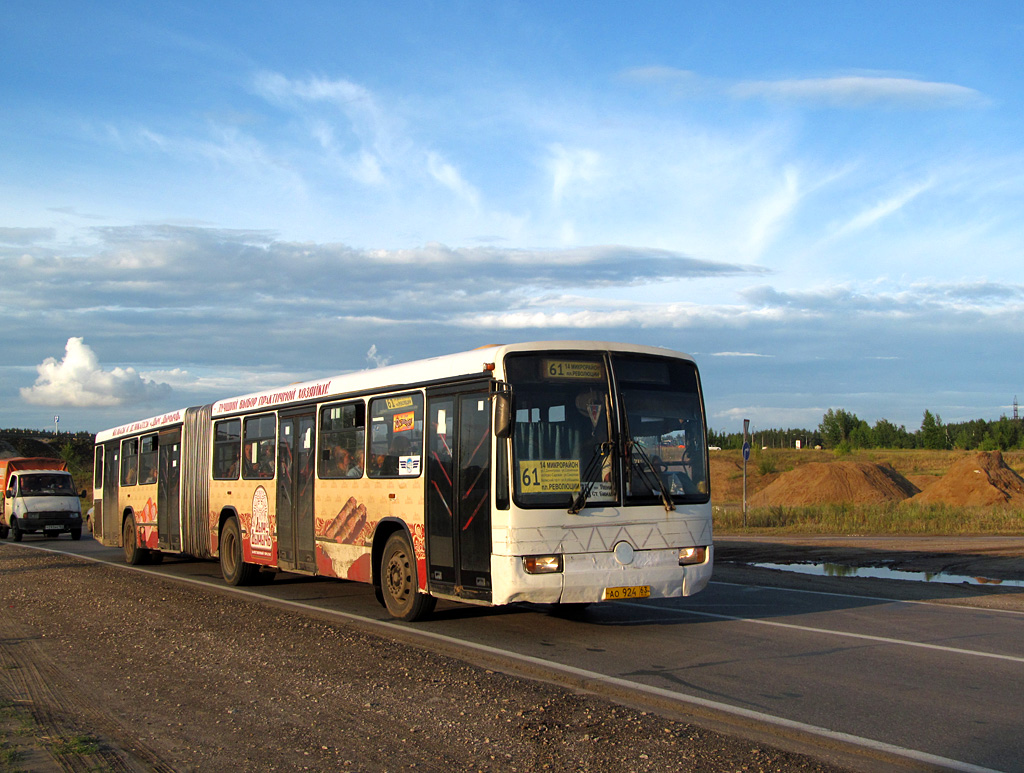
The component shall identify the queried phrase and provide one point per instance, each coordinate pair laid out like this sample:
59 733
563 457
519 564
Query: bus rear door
295 524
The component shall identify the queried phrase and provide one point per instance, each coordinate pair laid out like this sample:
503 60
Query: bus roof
450 366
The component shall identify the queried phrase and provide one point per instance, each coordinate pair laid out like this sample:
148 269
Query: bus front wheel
234 570
399 582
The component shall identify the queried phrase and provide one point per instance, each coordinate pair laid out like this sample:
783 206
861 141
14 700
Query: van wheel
76 533
399 581
16 531
133 554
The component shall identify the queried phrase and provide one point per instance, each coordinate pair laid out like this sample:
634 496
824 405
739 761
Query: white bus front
609 479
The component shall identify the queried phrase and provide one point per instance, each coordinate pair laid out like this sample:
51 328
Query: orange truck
38 495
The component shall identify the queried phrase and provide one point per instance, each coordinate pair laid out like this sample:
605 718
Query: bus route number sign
544 476
573 370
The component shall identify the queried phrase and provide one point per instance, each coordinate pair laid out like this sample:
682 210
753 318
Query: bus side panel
253 501
348 512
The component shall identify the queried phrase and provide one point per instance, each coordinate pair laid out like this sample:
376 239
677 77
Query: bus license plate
627 592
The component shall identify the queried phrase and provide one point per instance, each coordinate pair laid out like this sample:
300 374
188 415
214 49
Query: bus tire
4 528
399 582
16 532
133 554
232 568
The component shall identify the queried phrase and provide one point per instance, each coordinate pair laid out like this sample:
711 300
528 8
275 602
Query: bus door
168 500
296 456
110 522
459 492
96 524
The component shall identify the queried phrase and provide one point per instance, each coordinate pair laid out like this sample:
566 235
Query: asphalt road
928 685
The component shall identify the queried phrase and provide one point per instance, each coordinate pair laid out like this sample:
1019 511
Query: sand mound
980 479
836 483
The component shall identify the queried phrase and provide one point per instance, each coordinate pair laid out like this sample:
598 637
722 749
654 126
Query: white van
38 496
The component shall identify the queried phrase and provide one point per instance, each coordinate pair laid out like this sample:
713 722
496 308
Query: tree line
842 430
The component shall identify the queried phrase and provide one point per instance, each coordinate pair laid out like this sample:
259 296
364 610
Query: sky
821 202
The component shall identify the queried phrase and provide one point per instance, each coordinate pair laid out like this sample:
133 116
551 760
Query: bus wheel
234 570
3 531
16 531
133 554
399 583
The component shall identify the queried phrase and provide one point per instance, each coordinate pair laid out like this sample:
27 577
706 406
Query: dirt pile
980 479
819 483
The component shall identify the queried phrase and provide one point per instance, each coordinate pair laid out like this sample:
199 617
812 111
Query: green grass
887 519
75 745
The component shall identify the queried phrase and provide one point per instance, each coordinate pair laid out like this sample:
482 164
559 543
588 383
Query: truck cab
36 498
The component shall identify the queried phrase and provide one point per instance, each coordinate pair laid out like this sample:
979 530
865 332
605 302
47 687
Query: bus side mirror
502 416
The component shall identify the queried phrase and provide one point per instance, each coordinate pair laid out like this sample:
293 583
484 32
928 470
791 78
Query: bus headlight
689 556
542 564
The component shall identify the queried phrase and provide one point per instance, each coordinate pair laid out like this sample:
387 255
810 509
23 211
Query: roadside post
746 456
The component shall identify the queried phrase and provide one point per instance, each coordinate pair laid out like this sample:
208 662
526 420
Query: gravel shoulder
102 669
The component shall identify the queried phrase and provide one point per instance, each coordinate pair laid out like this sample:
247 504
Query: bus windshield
662 414
588 435
561 437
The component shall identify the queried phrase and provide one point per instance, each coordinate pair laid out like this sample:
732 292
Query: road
926 684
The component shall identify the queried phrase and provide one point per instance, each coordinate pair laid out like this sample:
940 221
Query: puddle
842 570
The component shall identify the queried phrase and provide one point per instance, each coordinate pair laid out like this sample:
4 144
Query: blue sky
820 201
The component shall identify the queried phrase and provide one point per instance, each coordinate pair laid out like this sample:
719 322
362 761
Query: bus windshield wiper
578 502
666 499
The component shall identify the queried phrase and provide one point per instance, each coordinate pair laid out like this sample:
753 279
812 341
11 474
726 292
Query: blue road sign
746 452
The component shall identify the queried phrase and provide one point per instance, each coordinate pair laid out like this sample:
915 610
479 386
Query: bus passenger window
227 452
342 433
130 462
148 459
396 436
258 443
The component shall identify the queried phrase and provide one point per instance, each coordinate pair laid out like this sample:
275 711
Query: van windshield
46 484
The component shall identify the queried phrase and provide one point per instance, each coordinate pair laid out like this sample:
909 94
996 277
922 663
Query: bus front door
459 492
168 498
296 455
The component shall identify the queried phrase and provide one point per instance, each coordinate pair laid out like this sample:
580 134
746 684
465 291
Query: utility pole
746 456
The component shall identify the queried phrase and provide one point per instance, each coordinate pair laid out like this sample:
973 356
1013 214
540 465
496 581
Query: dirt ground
107 670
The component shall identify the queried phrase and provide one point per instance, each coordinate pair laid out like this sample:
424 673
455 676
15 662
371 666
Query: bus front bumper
587 578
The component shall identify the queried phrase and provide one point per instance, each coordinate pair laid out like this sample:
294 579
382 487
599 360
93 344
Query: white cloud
79 381
861 91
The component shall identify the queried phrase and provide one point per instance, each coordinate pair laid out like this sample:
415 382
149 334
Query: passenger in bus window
356 470
339 463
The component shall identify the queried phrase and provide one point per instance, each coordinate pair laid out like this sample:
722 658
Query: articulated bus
565 472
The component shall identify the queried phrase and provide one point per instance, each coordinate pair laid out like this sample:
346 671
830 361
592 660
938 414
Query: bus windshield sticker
409 465
544 476
394 403
574 370
404 422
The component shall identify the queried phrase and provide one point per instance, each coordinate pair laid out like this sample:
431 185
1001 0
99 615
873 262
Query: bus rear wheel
399 582
133 554
234 570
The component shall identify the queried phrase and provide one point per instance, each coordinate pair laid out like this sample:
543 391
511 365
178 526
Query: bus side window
148 459
259 440
342 434
130 462
396 436
227 450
